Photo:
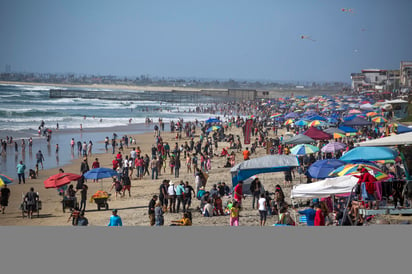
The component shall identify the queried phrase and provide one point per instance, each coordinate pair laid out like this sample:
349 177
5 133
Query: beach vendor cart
24 207
100 198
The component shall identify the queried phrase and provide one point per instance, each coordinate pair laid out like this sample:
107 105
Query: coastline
133 210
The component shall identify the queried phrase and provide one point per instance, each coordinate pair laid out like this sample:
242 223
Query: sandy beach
133 210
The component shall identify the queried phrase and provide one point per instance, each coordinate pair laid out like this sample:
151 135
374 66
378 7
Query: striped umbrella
304 149
371 114
316 123
5 180
289 121
379 119
351 169
277 114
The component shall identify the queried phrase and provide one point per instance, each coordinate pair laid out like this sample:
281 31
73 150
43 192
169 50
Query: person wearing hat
171 192
115 219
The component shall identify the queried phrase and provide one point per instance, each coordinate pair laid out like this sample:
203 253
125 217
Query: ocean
24 107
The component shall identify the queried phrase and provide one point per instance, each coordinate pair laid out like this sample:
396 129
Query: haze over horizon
259 40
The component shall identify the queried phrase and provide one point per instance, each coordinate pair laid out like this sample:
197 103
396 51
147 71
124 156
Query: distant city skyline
291 41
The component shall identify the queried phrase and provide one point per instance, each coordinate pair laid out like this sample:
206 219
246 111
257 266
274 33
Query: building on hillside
406 74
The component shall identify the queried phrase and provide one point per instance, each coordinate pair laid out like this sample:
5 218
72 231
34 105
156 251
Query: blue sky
237 39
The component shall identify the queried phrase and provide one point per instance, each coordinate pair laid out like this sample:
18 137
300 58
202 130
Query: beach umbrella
321 168
333 147
212 128
379 119
289 121
370 154
337 135
303 149
277 114
301 123
351 169
100 173
371 114
354 111
60 179
316 123
5 180
291 115
212 120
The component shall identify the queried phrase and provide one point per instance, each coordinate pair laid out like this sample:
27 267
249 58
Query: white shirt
262 206
171 190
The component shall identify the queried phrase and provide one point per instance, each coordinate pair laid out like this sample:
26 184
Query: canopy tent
357 121
403 129
265 164
331 130
370 153
317 134
298 139
347 129
246 186
324 188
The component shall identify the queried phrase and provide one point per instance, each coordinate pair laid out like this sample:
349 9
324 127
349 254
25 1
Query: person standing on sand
238 193
153 166
31 199
151 211
159 218
40 158
115 219
21 168
263 209
234 215
4 198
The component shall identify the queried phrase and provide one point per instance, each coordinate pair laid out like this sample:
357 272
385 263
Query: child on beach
234 214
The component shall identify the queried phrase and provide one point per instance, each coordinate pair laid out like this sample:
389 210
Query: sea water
24 107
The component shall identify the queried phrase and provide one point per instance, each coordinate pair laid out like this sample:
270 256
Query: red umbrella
61 179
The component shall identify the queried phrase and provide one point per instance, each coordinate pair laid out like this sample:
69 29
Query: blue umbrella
370 154
212 120
321 168
100 173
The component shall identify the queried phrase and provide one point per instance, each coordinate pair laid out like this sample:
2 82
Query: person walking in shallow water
40 158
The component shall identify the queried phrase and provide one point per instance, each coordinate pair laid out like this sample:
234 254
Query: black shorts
31 207
4 202
288 178
263 215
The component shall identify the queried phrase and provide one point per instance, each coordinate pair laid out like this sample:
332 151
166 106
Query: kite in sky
307 37
347 10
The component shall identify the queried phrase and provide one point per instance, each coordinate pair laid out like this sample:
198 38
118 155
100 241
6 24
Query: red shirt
319 218
115 164
238 192
95 165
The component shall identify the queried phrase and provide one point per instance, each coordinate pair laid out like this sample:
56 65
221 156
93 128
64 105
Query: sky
214 39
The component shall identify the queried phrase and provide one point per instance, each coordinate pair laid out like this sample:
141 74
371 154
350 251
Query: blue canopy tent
265 164
370 154
347 129
403 129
